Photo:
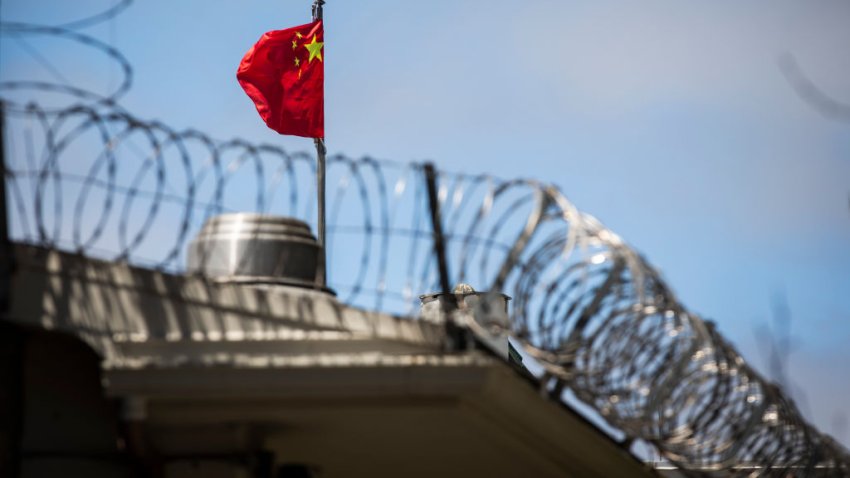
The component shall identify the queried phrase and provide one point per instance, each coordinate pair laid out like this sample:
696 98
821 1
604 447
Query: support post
454 334
436 223
6 255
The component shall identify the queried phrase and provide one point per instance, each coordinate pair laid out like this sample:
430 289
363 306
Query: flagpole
321 271
321 267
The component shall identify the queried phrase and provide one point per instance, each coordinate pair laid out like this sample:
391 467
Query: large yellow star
315 49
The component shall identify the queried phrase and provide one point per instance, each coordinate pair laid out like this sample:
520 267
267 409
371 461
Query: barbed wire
60 85
93 179
145 209
603 323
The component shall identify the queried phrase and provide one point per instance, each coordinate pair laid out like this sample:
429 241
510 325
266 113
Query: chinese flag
284 74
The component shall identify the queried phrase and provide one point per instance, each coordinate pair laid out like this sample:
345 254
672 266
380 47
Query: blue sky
669 121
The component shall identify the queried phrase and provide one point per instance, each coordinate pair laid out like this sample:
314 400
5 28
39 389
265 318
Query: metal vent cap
255 248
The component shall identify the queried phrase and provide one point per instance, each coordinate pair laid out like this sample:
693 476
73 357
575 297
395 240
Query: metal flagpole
321 272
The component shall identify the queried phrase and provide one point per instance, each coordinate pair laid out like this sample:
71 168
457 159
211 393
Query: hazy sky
669 121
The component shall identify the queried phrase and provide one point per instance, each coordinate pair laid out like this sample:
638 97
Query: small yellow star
294 44
298 35
315 49
297 62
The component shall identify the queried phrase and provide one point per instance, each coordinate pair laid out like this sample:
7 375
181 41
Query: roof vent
255 249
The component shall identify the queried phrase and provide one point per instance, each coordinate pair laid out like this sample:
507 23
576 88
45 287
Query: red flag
284 74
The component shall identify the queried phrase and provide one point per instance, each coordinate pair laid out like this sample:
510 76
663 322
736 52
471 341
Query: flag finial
317 9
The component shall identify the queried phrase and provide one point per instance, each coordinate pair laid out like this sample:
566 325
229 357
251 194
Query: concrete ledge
105 303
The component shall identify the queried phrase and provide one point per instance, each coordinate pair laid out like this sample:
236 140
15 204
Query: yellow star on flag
315 49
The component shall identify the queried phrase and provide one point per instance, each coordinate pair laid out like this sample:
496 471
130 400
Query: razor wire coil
591 310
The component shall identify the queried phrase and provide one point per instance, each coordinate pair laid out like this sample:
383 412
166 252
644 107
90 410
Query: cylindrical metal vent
255 248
